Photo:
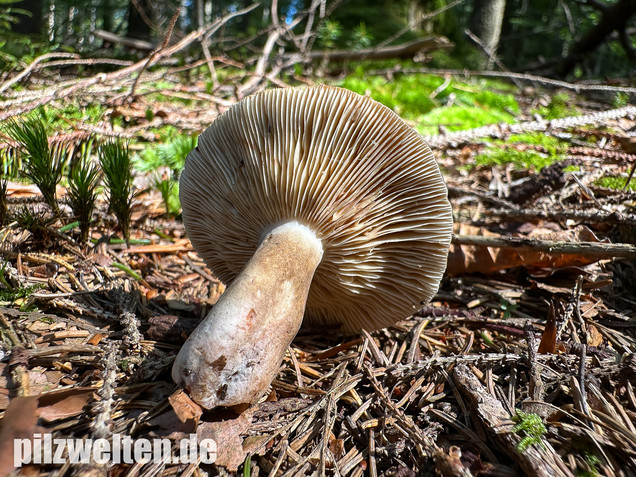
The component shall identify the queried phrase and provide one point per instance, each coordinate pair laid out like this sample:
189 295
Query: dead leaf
463 259
336 446
96 339
449 464
64 403
594 337
627 143
184 407
180 420
226 432
170 328
19 422
256 444
168 425
102 260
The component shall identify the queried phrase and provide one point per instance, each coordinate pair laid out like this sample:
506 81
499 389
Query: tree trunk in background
31 24
485 22
107 16
200 13
614 17
139 15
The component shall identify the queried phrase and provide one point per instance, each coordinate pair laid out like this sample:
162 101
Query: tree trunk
107 16
614 18
485 23
139 15
28 24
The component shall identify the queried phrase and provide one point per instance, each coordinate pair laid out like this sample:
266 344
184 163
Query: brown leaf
226 432
170 328
180 420
19 422
464 259
168 425
257 444
64 403
594 337
102 260
337 447
96 339
184 407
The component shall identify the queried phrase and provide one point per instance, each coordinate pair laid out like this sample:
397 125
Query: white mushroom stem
234 354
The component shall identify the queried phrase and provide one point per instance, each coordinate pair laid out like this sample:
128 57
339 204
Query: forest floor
523 364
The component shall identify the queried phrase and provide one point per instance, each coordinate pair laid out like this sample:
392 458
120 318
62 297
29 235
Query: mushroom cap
345 166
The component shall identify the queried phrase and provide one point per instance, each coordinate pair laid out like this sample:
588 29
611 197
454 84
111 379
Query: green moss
415 95
553 146
407 95
559 107
526 159
11 295
593 464
616 182
530 428
505 153
165 133
57 118
457 118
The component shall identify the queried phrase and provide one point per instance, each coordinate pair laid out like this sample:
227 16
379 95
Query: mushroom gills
236 351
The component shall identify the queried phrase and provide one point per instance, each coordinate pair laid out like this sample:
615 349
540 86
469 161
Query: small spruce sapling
169 190
114 157
43 165
8 170
83 180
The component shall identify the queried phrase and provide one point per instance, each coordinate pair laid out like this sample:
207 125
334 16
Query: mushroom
316 203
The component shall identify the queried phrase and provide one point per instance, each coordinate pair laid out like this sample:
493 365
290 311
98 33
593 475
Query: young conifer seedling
83 180
114 157
8 170
169 190
43 164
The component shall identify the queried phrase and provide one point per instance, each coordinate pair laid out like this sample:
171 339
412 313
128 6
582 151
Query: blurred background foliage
542 36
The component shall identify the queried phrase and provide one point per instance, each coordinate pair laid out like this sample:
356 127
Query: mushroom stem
235 353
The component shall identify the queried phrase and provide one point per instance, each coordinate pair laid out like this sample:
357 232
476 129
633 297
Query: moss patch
457 118
616 183
424 99
559 107
505 152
